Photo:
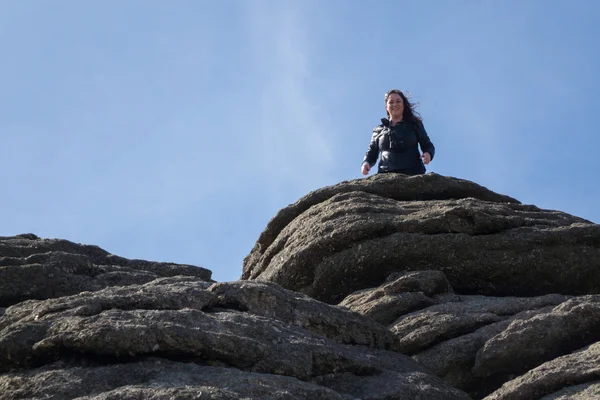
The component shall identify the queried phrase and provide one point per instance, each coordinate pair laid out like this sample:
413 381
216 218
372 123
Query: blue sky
174 131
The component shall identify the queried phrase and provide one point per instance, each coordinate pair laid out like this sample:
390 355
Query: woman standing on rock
397 139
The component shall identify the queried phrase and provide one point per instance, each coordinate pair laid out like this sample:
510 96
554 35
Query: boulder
351 236
572 376
477 343
423 287
34 268
271 300
155 379
401 294
176 338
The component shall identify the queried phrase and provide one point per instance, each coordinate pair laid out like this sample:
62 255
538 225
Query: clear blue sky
174 131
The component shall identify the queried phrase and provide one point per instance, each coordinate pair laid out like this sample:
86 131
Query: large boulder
183 338
573 376
388 287
155 379
477 343
271 300
353 235
35 268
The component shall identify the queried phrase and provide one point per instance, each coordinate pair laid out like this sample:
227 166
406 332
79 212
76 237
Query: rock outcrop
574 376
477 287
183 337
475 342
388 287
351 236
34 268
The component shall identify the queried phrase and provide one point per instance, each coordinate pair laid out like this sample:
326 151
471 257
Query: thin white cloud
296 136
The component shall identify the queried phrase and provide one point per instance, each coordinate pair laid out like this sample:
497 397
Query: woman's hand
365 168
426 158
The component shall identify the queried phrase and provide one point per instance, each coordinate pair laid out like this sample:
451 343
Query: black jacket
398 146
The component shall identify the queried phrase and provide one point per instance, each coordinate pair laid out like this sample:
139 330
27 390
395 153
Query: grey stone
351 236
483 294
425 187
237 339
34 268
447 337
453 359
586 391
156 379
422 329
179 319
430 283
271 300
554 376
385 308
389 385
401 294
527 343
161 294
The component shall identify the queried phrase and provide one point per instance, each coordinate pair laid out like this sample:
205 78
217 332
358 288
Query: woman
397 139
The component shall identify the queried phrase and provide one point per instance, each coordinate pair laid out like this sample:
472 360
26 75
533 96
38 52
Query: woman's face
395 105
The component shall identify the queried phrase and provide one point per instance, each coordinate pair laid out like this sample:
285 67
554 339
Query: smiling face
395 106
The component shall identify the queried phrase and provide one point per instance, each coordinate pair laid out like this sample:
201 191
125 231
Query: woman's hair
410 114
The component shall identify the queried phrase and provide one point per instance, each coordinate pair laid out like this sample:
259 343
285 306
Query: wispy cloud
296 136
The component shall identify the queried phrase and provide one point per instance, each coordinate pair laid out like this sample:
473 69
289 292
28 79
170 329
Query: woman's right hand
365 168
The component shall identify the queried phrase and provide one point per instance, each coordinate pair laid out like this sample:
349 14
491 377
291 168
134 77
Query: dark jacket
398 146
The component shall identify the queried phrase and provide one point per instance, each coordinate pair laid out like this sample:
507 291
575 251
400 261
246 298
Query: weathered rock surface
476 343
437 288
587 391
34 268
156 379
182 338
351 236
424 328
402 293
526 343
571 376
271 300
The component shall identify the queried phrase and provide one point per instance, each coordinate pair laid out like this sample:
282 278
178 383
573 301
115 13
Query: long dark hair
409 114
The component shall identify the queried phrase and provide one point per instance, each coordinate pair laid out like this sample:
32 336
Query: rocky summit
388 287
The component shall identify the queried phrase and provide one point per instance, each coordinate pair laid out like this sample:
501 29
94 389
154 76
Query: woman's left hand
426 158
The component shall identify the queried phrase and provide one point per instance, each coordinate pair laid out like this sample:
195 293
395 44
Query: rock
33 268
113 331
447 336
526 343
478 342
161 294
586 391
404 292
388 385
425 187
421 329
444 290
351 236
426 328
453 359
385 308
557 378
165 379
271 300
155 378
28 244
430 283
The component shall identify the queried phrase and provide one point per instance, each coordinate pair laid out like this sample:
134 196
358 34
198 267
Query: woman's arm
424 141
373 152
